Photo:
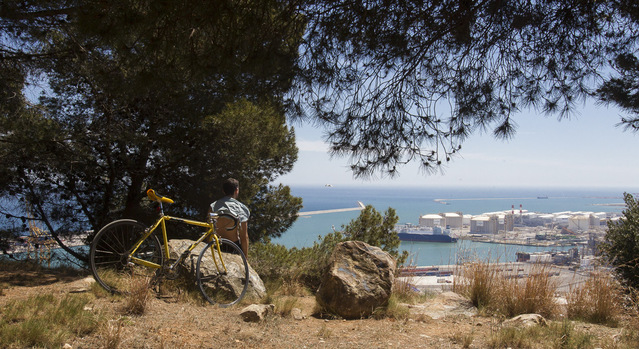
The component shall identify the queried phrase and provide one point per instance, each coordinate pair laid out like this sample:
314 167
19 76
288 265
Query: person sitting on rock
230 205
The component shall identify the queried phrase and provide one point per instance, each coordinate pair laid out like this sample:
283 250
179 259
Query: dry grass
532 294
45 321
394 309
463 339
284 305
111 334
630 332
405 292
324 331
477 281
492 290
598 300
182 290
558 335
137 297
177 324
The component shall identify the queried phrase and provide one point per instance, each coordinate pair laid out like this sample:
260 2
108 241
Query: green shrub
276 264
620 247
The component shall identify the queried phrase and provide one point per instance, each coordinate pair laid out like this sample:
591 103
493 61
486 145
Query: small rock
256 312
526 320
296 313
82 286
67 346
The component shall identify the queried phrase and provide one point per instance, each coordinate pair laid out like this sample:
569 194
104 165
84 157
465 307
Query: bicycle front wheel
109 255
223 280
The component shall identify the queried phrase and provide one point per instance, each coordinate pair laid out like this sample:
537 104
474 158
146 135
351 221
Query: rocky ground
446 321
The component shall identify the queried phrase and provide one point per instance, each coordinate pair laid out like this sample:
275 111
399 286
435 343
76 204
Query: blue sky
586 150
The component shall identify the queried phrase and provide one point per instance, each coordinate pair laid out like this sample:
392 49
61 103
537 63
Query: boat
411 232
542 197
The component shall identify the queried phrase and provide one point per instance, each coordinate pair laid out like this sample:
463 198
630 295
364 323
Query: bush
621 244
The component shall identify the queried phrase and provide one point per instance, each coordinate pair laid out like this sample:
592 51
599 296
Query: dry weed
293 288
477 281
181 290
112 334
285 305
532 294
393 310
462 338
630 332
598 300
404 291
324 331
137 297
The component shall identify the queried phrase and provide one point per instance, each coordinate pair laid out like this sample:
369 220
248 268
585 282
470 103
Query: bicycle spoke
109 255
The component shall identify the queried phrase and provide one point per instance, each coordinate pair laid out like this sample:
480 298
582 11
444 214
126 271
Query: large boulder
233 279
358 280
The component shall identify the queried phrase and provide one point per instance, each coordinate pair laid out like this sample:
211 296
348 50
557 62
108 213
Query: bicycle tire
223 288
109 255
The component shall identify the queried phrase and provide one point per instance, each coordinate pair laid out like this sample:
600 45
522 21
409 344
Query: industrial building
453 220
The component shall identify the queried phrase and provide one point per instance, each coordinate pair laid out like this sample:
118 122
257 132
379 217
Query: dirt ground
168 323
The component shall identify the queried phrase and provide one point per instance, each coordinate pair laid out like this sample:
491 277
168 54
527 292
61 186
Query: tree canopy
409 80
172 95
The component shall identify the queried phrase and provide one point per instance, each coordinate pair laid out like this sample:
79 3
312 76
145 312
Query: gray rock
256 312
233 279
359 279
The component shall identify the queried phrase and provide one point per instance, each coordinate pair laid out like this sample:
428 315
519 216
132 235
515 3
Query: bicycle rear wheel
109 255
220 286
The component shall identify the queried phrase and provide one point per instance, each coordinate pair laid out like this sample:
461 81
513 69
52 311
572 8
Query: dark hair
229 186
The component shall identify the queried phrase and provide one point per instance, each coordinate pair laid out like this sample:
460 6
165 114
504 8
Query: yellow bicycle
126 248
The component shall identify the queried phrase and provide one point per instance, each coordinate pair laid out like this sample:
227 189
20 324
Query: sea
411 203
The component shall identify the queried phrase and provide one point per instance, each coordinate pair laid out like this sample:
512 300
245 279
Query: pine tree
621 245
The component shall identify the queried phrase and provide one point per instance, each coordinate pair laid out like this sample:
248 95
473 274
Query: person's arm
244 237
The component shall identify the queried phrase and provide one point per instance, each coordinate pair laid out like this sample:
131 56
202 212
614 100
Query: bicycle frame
210 233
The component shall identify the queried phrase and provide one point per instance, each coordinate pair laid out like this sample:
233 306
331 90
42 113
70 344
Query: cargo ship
411 232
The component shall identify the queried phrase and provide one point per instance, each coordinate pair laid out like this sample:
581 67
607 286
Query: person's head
230 187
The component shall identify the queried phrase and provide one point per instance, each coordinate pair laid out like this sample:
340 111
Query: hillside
181 321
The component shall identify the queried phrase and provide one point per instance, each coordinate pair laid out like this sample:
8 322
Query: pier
311 213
